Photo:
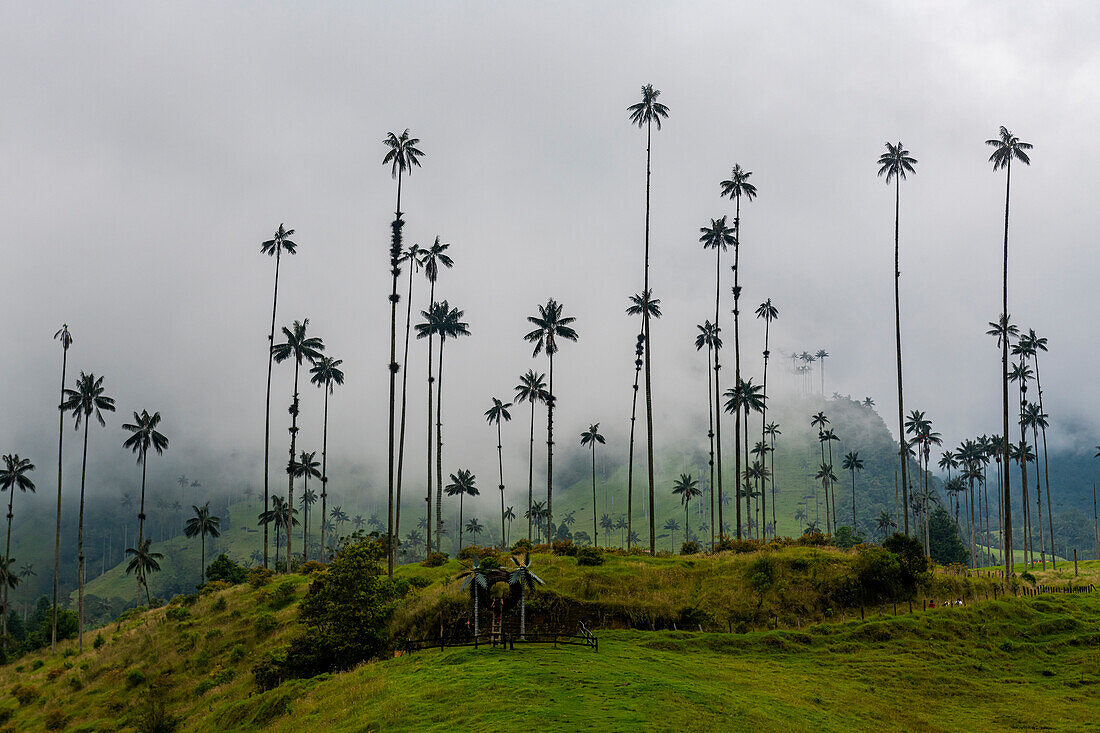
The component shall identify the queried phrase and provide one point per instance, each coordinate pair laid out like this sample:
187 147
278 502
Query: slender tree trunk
404 405
395 254
1046 466
550 452
305 519
737 357
897 331
1007 546
500 465
80 544
1039 504
595 531
853 500
630 455
531 472
461 496
1095 524
774 524
928 511
202 561
439 449
324 472
763 427
431 443
971 523
523 611
648 349
141 511
57 529
8 570
267 406
747 485
290 468
710 435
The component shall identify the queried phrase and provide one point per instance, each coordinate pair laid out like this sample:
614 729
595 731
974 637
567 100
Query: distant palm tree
326 375
590 438
1031 344
1033 417
852 462
771 431
532 389
1006 148
868 402
536 514
640 303
522 576
474 527
687 488
895 164
822 355
357 522
66 340
306 502
143 436
736 187
550 326
509 516
304 468
745 398
13 476
769 313
496 413
143 561
708 336
462 483
275 246
414 256
86 400
200 525
299 347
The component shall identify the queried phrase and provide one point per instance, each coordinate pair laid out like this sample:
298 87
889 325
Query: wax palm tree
769 313
339 516
1006 148
402 156
821 356
142 562
301 348
522 576
326 375
884 523
896 164
736 188
532 389
474 527
1021 373
306 502
475 577
536 514
645 305
589 438
201 525
852 463
66 340
509 516
647 113
86 400
14 475
414 256
826 476
306 467
550 327
687 488
708 336
285 521
143 436
1032 417
771 432
434 257
745 398
462 484
496 413
1031 344
269 516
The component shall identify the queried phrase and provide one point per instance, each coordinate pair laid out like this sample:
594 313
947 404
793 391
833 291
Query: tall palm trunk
430 442
80 545
737 358
897 331
710 435
1007 546
404 405
57 529
1026 507
972 523
1039 503
1046 465
763 427
324 472
500 466
928 509
460 498
395 271
290 468
523 610
648 349
7 559
267 406
305 520
595 531
202 560
774 525
718 432
630 455
531 472
439 449
550 452
141 509
745 480
853 501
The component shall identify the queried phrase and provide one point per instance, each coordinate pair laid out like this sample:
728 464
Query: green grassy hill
940 669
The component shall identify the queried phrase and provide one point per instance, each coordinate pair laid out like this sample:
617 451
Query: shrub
130 613
308 568
481 553
491 563
75 683
24 694
418 582
177 613
37 664
690 548
280 595
154 717
914 564
878 574
589 556
522 545
189 600
5 714
237 653
725 543
264 624
270 671
54 673
219 604
56 720
98 641
564 547
434 560
1028 578
134 678
259 577
214 586
204 687
225 570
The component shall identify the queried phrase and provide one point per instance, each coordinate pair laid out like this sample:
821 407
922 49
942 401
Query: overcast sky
148 149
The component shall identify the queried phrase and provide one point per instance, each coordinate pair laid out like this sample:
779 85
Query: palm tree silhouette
13 476
769 313
771 430
86 400
645 305
1030 345
143 561
522 576
201 525
273 247
144 435
462 484
306 502
687 488
66 340
590 438
299 347
896 164
747 398
1020 372
646 113
1032 417
708 336
852 463
304 468
474 577
414 256
550 326
532 389
1006 148
884 523
474 527
509 516
326 375
736 187
495 414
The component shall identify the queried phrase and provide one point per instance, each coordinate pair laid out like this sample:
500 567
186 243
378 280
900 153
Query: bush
130 613
725 543
690 548
878 574
214 586
845 538
522 545
259 577
308 568
589 556
470 551
264 624
24 694
134 678
270 671
564 548
280 595
189 600
5 714
219 605
37 664
154 717
237 653
914 564
56 720
490 563
418 582
434 560
177 613
225 570
98 641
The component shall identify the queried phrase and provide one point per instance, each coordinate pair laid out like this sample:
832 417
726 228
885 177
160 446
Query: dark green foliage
914 564
762 575
177 613
471 551
946 547
134 678
589 556
56 720
259 577
98 641
155 717
434 560
219 605
690 548
846 539
271 670
878 574
25 694
280 595
264 624
226 570
490 563
523 545
564 547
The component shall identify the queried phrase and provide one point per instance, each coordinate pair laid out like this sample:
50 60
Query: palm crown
1007 147
592 435
144 435
280 243
463 482
738 184
686 487
498 412
550 325
708 336
88 399
895 162
641 302
433 257
327 373
649 109
298 345
203 523
14 474
717 235
767 311
531 387
307 465
403 153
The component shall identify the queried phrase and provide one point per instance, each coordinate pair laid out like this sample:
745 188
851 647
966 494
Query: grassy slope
933 670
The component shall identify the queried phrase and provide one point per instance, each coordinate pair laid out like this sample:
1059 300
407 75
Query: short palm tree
896 164
86 400
687 488
13 476
640 303
462 484
852 462
522 576
496 413
301 348
708 336
551 326
142 562
475 577
143 436
532 389
327 374
306 467
306 502
201 525
885 523
273 247
474 526
590 438
509 516
769 313
66 340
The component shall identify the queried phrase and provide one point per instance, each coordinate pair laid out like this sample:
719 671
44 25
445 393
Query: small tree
524 578
474 577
